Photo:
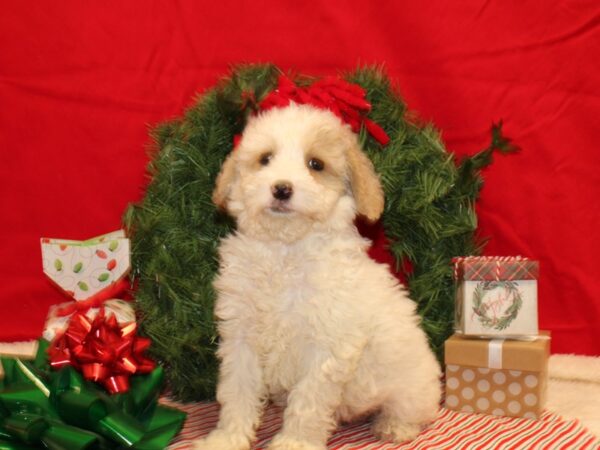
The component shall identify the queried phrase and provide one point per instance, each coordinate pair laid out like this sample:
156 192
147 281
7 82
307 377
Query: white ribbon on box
495 349
495 354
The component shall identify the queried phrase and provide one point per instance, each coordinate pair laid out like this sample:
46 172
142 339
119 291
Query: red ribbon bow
95 301
346 100
104 351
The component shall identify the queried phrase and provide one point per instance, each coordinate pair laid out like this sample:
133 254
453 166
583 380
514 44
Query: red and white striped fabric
451 430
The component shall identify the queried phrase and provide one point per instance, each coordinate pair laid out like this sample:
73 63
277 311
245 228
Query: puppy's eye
265 158
316 164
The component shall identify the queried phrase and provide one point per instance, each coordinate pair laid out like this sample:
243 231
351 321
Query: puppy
304 315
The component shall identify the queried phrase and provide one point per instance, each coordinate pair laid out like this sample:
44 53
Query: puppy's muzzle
282 190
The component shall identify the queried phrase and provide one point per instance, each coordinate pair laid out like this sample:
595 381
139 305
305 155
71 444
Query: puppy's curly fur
305 316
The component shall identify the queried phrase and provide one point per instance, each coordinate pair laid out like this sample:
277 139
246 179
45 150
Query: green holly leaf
77 267
113 245
83 286
58 265
102 278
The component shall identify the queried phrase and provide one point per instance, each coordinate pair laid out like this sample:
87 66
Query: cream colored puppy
305 316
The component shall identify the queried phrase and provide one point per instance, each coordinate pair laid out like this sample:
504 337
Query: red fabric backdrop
81 81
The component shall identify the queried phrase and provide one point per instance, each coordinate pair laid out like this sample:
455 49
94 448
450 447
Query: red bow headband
345 100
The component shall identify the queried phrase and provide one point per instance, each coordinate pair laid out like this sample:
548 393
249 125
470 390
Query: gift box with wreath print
496 296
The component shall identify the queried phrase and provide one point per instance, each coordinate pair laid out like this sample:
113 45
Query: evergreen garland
429 217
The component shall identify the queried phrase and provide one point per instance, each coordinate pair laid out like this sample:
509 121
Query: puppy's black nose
282 190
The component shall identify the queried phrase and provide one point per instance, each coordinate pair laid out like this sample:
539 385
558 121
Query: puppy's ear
224 180
365 184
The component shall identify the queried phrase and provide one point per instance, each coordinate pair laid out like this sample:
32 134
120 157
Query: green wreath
429 217
481 309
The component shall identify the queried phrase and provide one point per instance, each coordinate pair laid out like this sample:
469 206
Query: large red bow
103 350
346 100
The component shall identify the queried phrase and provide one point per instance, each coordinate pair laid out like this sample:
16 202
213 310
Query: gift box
82 269
496 296
57 322
23 350
60 410
26 350
503 377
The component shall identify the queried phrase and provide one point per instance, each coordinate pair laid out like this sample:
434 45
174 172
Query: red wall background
80 82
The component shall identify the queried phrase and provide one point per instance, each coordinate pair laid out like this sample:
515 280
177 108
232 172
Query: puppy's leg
240 393
389 426
309 416
407 411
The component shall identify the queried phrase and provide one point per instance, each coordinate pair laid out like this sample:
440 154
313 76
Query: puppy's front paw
393 429
281 442
221 440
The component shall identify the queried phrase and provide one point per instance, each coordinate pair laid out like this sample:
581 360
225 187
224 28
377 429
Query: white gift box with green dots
81 269
84 270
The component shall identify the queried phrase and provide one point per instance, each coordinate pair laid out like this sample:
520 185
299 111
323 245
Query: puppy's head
295 169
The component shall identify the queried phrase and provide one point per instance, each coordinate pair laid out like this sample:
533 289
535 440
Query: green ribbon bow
59 410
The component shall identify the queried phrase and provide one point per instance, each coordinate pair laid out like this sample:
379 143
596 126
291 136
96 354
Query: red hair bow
346 100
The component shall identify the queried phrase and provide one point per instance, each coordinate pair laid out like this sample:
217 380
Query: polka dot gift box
496 296
497 376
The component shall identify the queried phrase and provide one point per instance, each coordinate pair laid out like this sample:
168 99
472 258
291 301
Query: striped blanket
451 430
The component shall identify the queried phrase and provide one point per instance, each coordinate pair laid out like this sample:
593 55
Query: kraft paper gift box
496 296
82 269
503 377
